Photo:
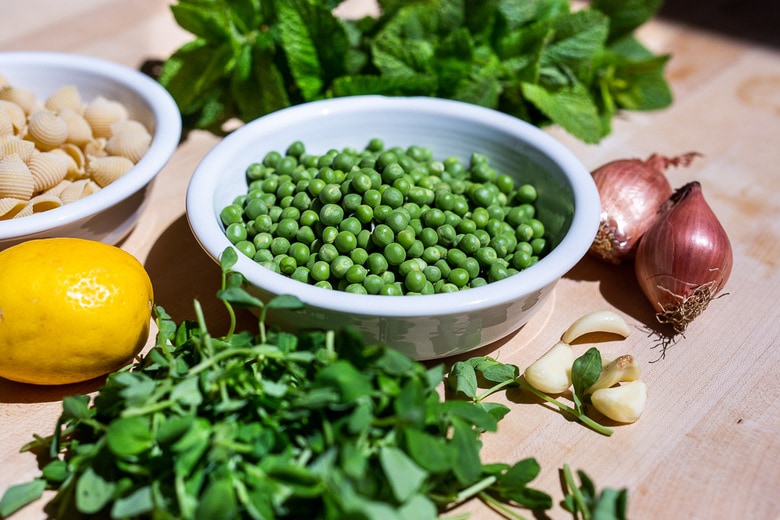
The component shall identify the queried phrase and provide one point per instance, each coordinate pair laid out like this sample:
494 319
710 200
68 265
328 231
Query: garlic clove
623 403
622 369
596 321
551 373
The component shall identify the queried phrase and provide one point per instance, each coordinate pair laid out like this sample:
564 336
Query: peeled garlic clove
623 403
551 373
597 321
620 370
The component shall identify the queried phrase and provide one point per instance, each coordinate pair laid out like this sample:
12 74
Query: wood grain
708 445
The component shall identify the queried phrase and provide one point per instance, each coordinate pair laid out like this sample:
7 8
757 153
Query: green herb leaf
403 474
19 495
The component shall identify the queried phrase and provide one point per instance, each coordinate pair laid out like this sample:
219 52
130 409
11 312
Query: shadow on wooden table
618 285
182 272
21 393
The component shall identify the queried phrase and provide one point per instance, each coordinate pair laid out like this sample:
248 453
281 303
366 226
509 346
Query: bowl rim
165 139
208 232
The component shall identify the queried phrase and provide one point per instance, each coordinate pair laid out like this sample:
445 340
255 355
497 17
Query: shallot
631 192
684 259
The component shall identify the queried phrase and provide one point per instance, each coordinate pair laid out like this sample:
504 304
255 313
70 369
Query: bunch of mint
541 61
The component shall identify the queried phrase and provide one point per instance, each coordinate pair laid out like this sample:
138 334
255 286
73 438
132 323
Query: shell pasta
57 150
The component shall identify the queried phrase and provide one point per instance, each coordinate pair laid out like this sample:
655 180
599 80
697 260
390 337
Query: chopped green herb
271 425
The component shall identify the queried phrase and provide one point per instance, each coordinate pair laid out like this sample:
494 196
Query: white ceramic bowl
430 326
109 214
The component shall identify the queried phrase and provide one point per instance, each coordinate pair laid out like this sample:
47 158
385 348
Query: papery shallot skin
684 259
631 191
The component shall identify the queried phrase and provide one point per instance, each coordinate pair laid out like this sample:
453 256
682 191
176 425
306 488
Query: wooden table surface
708 444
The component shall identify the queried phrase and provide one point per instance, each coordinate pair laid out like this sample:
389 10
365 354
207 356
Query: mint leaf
570 107
626 15
300 48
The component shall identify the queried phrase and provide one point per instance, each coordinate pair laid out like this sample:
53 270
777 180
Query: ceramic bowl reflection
422 326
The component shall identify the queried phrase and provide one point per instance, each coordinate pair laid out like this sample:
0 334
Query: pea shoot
394 202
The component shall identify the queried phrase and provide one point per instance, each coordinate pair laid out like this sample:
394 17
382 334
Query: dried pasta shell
130 142
128 124
17 115
44 202
26 211
48 169
20 96
75 159
6 124
16 181
101 113
66 97
96 147
77 190
79 131
105 170
47 130
11 144
10 207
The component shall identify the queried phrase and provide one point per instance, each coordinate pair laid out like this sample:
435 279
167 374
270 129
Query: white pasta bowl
110 213
422 326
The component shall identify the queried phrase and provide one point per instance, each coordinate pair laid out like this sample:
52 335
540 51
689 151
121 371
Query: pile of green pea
388 221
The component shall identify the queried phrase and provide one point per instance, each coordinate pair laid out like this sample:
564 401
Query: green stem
259 350
495 389
587 421
576 493
501 508
475 489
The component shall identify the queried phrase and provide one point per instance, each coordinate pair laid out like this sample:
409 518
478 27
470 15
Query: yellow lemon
70 310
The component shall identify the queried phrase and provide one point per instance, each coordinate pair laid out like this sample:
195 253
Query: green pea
381 212
486 256
384 160
382 235
416 249
372 198
361 182
472 267
538 245
324 284
458 277
364 213
309 218
415 281
287 228
340 265
344 161
263 255
255 171
469 243
375 145
330 194
300 252
355 288
431 255
356 274
432 273
524 232
377 264
455 257
315 187
447 234
331 214
526 194
448 288
478 282
429 237
497 272
521 259
301 274
236 232
296 149
394 253
280 246
345 241
433 217
327 253
373 283
405 237
359 255
262 240
272 158
392 197
537 226
483 236
286 263
444 267
320 270
246 247
391 289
